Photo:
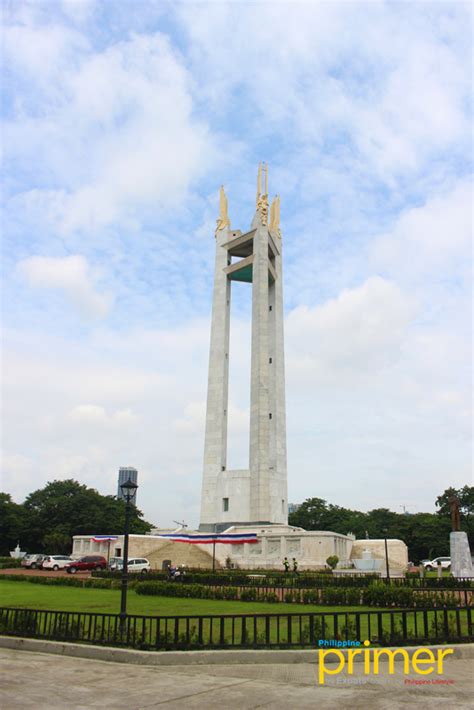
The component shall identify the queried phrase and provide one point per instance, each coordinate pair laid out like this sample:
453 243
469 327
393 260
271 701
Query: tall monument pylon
256 495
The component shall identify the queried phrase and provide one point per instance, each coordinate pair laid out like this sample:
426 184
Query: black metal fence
304 630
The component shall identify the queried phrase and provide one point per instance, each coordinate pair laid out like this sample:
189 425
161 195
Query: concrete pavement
46 681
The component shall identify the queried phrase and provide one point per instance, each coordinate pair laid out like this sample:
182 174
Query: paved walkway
43 681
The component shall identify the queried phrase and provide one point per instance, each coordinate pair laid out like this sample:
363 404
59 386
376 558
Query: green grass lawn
38 596
73 599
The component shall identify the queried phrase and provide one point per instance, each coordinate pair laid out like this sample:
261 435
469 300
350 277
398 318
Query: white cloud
430 238
351 336
116 136
395 88
116 128
371 402
93 415
71 275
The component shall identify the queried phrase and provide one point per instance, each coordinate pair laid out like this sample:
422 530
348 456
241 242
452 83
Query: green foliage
50 516
9 563
311 596
381 594
12 523
377 594
247 595
293 597
332 561
466 501
426 534
194 591
269 579
271 597
333 595
68 581
57 543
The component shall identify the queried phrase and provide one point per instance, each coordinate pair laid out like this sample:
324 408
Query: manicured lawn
280 629
38 596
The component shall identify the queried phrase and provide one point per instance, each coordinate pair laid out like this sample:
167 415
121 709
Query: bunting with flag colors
209 538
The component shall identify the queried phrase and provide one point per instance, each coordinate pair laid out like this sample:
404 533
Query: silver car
443 562
32 561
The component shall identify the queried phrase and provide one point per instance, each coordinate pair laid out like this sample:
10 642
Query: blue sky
120 121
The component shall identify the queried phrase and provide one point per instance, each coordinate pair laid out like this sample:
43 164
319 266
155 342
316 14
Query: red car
86 563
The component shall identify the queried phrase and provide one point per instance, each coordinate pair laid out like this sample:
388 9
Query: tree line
425 534
50 516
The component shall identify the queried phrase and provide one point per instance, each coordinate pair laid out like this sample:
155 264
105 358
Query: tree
466 500
12 524
65 508
425 534
57 543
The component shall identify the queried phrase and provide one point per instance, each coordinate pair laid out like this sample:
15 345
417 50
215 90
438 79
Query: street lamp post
129 489
386 555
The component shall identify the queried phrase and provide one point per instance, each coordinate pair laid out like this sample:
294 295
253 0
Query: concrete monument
254 499
257 495
461 559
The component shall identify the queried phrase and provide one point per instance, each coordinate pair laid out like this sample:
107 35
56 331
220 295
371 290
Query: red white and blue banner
104 538
209 538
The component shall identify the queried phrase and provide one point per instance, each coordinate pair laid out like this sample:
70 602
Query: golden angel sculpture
223 220
262 198
275 216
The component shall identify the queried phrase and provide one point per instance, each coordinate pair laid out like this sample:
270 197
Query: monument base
461 560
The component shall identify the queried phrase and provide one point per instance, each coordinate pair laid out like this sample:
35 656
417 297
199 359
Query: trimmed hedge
241 579
304 580
9 563
70 581
378 594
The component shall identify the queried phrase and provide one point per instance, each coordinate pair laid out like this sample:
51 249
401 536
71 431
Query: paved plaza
40 680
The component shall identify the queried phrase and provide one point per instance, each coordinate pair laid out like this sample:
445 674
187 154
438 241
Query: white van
135 564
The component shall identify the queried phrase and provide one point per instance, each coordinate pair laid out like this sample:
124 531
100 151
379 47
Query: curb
179 658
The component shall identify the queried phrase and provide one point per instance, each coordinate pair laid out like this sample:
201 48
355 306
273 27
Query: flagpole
214 556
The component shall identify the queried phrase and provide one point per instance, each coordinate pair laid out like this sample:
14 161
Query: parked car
86 563
55 562
114 562
33 561
135 564
430 565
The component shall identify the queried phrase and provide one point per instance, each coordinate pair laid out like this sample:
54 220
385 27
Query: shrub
353 596
381 594
9 563
333 595
332 561
310 596
271 597
248 595
292 597
230 592
69 581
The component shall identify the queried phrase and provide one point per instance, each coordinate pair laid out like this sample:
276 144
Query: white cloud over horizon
117 136
70 275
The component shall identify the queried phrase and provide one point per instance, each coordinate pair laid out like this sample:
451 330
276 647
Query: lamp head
129 489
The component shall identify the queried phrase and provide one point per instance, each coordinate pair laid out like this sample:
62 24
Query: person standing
286 565
295 565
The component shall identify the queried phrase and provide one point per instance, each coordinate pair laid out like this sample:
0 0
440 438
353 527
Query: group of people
175 574
286 565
